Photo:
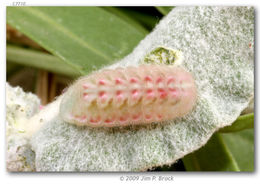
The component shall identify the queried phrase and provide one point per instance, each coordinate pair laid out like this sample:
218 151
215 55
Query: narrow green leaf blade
37 59
241 144
224 152
120 13
84 37
148 20
215 156
164 9
243 122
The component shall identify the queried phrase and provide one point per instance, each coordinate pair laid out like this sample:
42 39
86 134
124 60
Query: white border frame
180 178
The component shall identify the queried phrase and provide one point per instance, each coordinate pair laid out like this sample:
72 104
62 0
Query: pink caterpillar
128 96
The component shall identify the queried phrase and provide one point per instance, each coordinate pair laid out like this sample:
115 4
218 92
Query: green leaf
164 9
148 20
224 152
243 122
84 37
121 13
37 59
241 145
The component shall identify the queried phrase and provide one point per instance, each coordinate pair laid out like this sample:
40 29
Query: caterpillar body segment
129 96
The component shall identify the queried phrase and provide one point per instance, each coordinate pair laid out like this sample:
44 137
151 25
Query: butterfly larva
131 95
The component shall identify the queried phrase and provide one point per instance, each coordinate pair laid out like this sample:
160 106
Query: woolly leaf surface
20 106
